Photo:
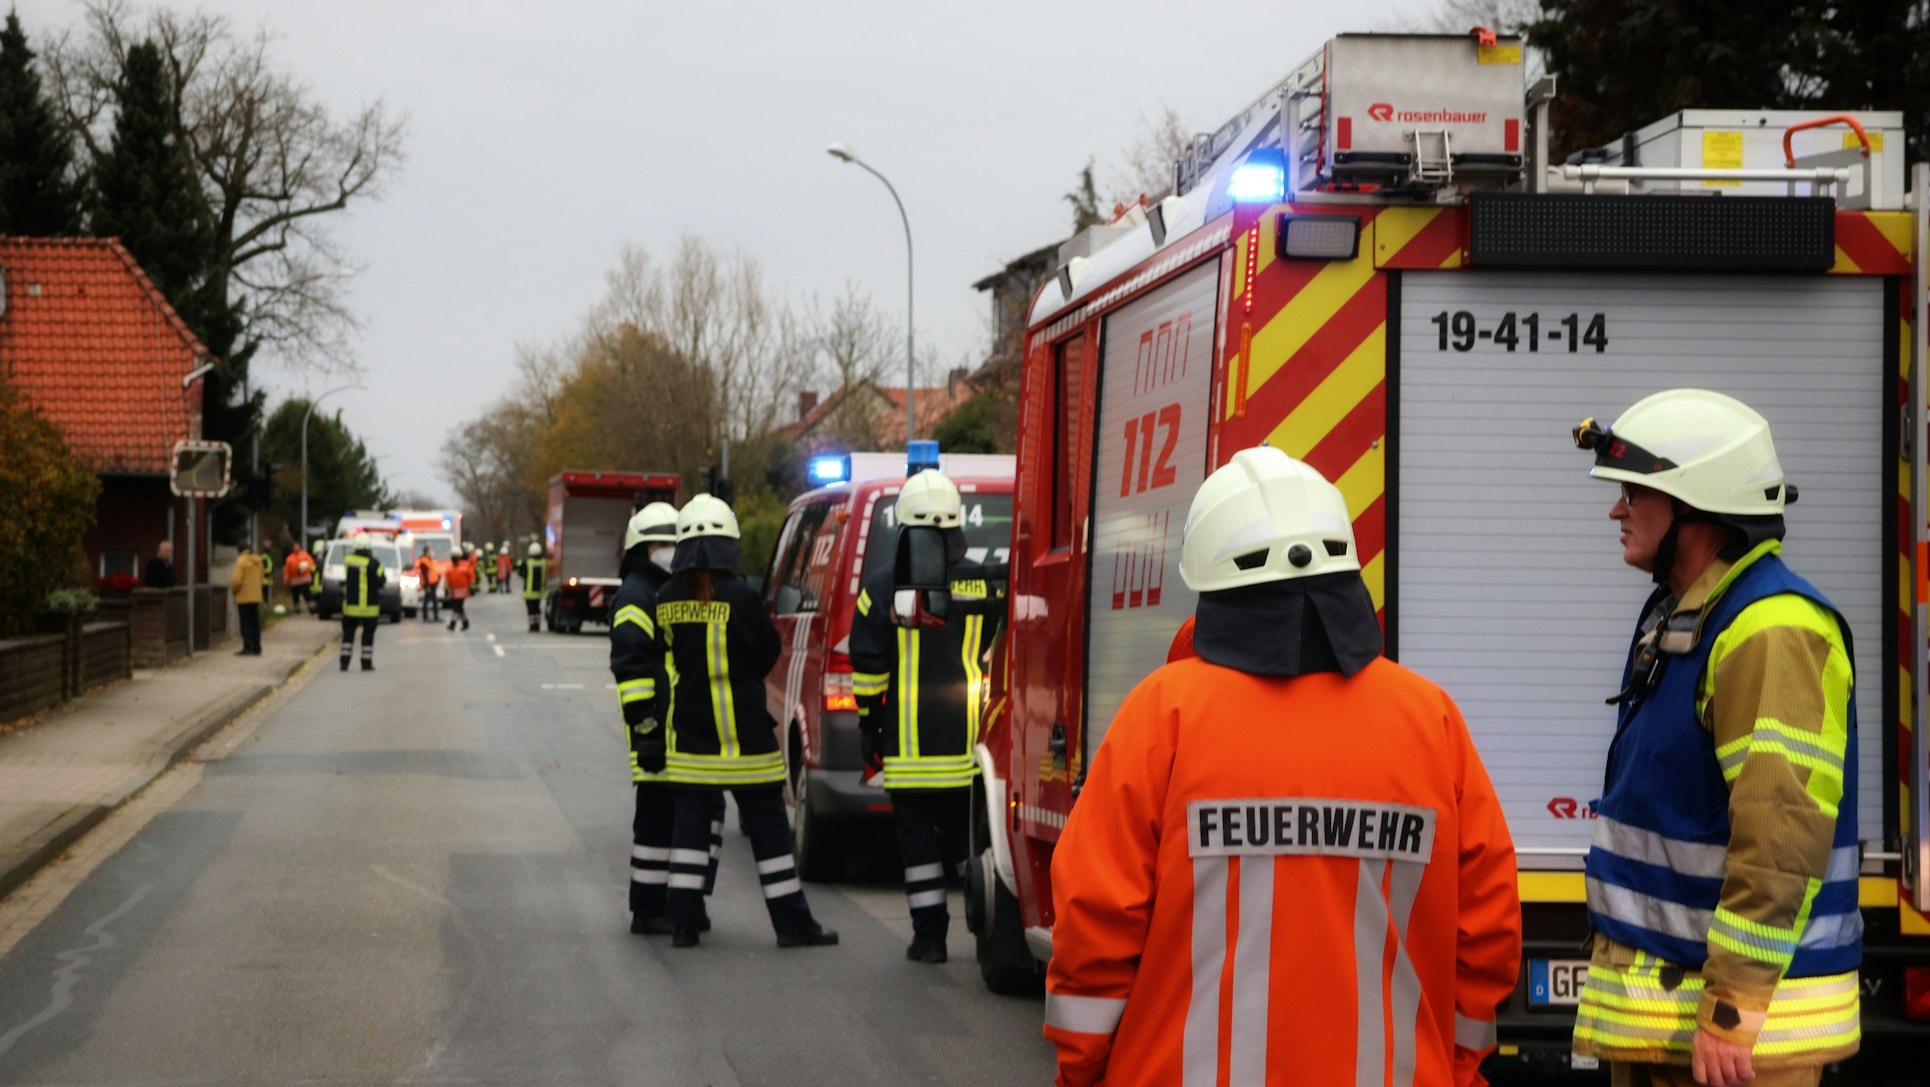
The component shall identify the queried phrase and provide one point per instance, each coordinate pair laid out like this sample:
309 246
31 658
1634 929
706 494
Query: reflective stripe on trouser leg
770 833
1200 1055
348 639
716 844
917 813
689 854
368 637
650 832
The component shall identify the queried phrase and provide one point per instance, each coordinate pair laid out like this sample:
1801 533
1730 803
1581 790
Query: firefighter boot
815 935
652 925
684 937
926 950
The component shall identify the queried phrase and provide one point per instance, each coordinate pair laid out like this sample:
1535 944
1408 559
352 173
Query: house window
120 562
1068 359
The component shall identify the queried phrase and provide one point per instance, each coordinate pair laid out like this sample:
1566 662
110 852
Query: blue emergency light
1261 179
447 523
828 469
920 455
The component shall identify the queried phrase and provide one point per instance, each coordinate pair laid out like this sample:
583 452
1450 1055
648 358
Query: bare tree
712 307
1146 164
273 160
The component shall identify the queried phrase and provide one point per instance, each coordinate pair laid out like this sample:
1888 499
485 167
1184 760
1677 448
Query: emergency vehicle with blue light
834 537
1377 268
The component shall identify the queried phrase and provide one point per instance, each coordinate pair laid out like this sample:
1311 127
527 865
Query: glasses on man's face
1630 495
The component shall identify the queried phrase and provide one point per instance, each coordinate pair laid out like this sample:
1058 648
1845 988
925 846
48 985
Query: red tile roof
91 344
933 405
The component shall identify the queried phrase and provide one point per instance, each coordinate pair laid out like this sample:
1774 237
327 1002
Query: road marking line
499 650
491 637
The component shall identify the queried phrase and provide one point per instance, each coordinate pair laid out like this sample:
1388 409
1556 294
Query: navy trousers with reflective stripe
762 809
932 836
650 834
367 626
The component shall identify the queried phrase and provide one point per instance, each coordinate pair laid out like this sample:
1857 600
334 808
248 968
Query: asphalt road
418 876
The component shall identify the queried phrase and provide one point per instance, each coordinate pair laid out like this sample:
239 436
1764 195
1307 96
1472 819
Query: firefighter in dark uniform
534 570
918 693
362 581
649 543
718 644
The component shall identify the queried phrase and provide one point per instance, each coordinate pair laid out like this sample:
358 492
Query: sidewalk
66 773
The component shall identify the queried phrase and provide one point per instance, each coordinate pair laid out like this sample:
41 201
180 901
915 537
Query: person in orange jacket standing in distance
460 579
1287 865
298 573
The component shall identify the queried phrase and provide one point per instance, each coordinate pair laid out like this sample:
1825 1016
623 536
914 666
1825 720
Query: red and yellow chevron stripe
1912 566
1307 355
1872 243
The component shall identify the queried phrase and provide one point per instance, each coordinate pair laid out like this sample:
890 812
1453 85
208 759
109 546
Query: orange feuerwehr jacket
460 577
1282 881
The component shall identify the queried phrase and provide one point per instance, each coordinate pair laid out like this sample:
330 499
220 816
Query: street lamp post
305 415
843 153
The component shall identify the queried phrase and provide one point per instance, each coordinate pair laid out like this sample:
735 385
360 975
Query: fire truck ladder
1433 162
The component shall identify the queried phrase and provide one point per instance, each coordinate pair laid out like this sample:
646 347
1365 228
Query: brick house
91 344
863 415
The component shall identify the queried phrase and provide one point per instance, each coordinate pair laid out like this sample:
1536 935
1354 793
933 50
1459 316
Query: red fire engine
1406 293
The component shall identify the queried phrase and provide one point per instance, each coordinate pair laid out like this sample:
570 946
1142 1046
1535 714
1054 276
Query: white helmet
706 515
1263 517
1712 452
505 545
320 545
656 523
360 541
535 551
930 498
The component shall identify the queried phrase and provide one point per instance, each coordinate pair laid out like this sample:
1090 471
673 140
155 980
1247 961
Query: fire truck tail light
1916 993
1261 179
1319 237
838 691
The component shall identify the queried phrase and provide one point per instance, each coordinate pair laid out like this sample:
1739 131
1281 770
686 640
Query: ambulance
1377 268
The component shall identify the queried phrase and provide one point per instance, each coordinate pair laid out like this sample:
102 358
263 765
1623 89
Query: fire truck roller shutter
1510 591
1155 402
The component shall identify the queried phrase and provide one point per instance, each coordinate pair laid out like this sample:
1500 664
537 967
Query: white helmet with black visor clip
1711 454
707 537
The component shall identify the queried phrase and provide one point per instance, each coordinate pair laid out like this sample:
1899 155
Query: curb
67 828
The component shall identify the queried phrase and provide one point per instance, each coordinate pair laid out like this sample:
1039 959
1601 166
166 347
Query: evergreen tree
1085 201
1625 63
40 196
146 191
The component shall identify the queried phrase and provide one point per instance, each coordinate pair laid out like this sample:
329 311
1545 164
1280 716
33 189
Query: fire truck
590 510
1376 268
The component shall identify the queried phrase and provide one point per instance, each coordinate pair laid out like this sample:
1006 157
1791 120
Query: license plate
1556 981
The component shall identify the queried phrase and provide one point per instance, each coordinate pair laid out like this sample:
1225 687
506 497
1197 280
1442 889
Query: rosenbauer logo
1385 111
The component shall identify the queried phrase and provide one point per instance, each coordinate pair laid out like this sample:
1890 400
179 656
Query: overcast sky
542 137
